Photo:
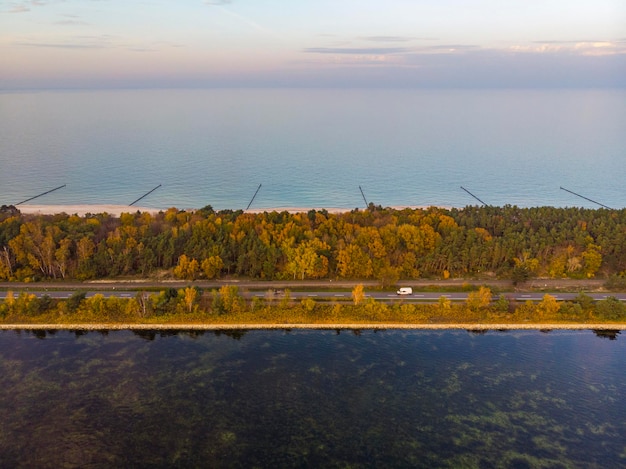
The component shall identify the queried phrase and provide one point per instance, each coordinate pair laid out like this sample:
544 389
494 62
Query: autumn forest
378 244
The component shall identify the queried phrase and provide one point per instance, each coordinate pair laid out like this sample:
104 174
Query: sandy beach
328 209
82 210
117 210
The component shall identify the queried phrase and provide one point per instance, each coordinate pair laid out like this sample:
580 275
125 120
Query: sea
322 148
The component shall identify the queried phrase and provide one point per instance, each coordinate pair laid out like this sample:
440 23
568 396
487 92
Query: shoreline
313 326
82 209
117 210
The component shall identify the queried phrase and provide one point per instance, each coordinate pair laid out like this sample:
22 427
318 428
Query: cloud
462 66
19 9
217 2
356 50
104 41
514 68
23 7
451 48
575 47
559 42
71 23
101 42
409 56
60 45
395 51
387 38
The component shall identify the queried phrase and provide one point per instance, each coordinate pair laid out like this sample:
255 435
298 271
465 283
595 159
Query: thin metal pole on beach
146 194
473 196
251 200
364 199
586 198
43 193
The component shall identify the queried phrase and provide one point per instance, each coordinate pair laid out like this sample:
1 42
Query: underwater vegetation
311 398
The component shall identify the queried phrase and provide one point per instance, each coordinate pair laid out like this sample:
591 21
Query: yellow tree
358 294
230 300
409 265
446 224
211 266
24 305
304 261
186 268
593 259
85 248
190 296
352 262
96 305
9 301
444 304
35 247
308 304
479 299
548 307
525 260
369 237
557 265
420 240
63 255
388 275
6 266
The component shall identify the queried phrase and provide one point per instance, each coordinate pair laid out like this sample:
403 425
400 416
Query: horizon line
312 87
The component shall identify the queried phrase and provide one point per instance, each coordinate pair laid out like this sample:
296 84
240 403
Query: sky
324 43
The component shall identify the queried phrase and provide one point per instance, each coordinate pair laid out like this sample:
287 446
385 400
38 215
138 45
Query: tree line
376 243
226 305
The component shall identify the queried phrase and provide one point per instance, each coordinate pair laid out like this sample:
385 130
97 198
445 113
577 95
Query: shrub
74 301
611 308
616 283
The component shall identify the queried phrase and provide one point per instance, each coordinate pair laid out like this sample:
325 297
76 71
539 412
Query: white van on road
405 291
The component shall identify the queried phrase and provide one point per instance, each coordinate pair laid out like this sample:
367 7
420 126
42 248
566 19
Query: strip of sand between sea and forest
117 210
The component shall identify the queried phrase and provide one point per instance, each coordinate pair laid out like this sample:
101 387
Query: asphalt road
318 295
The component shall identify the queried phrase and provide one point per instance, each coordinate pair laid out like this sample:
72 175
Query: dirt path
535 284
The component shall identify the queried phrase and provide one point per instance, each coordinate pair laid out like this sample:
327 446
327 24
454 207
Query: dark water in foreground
312 399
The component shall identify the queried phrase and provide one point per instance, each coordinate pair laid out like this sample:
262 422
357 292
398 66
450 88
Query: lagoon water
314 148
516 399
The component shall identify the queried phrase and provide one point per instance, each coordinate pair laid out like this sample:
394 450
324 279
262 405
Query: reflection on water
312 398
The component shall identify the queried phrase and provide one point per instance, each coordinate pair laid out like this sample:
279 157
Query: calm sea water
314 148
312 399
